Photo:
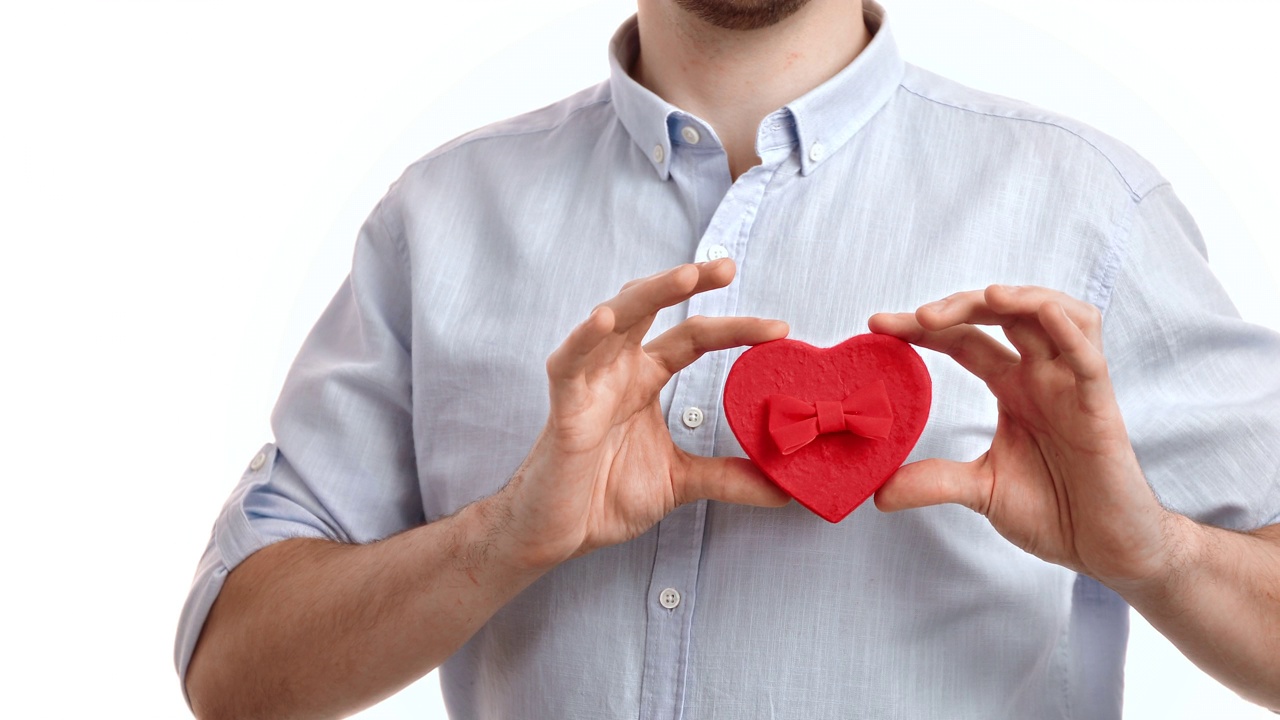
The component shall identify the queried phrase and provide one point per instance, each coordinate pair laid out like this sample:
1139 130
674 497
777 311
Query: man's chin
742 14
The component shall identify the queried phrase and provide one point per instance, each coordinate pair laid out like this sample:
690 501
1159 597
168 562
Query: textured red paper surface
836 472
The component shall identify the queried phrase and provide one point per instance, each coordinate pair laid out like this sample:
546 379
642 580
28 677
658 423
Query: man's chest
493 299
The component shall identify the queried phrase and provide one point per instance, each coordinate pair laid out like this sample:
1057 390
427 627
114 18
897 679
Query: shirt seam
1065 656
235 536
1118 254
401 244
1133 193
397 239
494 134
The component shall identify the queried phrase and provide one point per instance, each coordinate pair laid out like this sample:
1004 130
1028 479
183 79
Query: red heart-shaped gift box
878 382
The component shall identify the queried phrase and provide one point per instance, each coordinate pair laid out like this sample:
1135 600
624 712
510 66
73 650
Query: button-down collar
824 119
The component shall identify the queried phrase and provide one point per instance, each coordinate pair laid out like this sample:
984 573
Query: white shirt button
817 152
692 417
669 598
659 154
690 134
258 461
715 252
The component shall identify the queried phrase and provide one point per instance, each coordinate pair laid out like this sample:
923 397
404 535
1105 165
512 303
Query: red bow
794 423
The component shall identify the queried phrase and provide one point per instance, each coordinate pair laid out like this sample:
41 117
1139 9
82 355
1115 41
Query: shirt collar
825 118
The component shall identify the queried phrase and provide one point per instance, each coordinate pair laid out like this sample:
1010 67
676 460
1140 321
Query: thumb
728 479
934 482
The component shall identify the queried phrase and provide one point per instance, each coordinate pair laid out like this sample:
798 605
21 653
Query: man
813 177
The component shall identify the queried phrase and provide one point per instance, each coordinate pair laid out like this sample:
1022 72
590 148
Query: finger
973 349
636 281
1085 360
571 358
1025 300
973 307
934 482
727 479
959 308
635 306
678 347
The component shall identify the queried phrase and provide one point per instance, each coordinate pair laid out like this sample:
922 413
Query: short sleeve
1198 386
342 465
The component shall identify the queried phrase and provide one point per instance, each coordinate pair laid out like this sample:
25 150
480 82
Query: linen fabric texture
422 386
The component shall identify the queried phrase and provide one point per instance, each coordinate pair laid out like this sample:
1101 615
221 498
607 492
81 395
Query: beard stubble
742 14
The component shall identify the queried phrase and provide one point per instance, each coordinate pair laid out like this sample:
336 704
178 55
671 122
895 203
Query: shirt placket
693 419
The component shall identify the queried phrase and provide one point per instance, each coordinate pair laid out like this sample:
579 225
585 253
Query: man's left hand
1060 480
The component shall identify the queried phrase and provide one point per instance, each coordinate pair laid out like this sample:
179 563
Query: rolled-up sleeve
1199 387
342 465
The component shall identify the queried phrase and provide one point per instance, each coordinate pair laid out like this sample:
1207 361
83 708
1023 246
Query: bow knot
794 423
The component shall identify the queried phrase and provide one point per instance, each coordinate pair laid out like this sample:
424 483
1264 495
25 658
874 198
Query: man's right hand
604 469
309 627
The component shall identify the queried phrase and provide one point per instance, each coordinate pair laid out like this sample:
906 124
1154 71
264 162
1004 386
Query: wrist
486 540
511 529
1182 547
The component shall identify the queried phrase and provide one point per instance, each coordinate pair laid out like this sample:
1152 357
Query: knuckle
556 361
697 323
695 347
685 277
1093 315
1096 364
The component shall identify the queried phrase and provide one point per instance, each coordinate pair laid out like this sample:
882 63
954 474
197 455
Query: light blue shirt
422 387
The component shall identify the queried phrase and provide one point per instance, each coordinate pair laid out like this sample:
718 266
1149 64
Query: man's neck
734 78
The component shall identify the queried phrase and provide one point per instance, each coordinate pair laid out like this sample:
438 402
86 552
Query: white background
181 182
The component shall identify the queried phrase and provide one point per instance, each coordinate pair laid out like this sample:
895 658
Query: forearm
1220 605
309 628
312 628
